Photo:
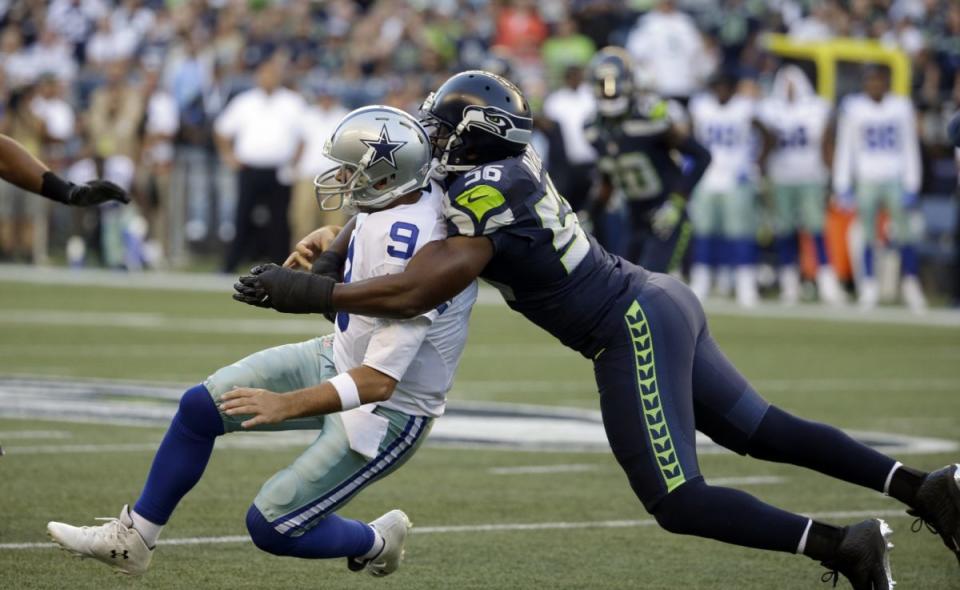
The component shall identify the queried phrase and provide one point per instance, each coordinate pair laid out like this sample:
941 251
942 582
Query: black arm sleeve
699 160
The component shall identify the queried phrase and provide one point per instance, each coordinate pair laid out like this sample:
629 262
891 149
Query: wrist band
55 188
347 390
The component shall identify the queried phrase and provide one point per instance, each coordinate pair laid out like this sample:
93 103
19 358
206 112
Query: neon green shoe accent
657 428
480 200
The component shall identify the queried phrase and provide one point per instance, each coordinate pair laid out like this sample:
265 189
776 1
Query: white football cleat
869 293
829 287
913 294
115 543
746 286
393 528
789 285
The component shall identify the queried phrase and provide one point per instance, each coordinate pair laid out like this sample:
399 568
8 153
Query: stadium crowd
145 93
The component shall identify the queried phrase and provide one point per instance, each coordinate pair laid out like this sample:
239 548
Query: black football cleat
937 505
863 557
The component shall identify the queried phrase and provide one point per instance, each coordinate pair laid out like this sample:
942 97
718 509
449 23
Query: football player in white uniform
877 165
797 171
723 209
373 388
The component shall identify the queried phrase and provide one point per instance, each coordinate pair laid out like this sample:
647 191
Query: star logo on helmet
384 148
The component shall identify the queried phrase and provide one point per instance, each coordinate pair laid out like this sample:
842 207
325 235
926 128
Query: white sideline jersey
421 353
799 126
876 142
726 130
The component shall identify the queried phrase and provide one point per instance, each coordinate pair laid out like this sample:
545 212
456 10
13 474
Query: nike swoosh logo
474 198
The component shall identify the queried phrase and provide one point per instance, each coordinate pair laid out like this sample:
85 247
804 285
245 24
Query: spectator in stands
110 45
159 127
259 134
668 43
566 47
572 107
115 113
319 121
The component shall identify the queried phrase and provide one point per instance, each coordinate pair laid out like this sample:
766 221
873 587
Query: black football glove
285 290
96 192
329 264
81 195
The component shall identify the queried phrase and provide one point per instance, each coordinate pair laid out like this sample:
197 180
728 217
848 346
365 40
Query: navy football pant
651 252
663 378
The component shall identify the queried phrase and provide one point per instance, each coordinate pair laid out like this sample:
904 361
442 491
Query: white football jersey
799 126
876 142
726 130
421 353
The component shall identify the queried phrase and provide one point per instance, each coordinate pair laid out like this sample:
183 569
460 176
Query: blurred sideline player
797 171
660 374
373 388
635 137
20 168
877 166
723 209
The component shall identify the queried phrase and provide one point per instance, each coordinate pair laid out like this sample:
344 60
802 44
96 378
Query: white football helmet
382 154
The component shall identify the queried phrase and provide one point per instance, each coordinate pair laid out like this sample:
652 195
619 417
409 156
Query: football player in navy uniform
639 149
660 374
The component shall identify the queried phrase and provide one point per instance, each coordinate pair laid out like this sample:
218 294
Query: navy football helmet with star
476 117
382 154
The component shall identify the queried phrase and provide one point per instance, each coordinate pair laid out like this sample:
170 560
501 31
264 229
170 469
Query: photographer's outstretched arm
438 272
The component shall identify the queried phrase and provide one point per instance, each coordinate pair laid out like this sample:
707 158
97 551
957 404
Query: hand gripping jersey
422 353
635 154
726 130
544 265
876 142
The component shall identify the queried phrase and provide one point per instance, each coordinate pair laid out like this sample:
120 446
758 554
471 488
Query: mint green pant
731 215
328 474
873 196
799 206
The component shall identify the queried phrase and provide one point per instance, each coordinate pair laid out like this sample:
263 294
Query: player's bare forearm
267 407
329 238
438 272
19 167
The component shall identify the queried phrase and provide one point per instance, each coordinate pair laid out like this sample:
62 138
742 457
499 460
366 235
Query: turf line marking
35 434
487 528
538 469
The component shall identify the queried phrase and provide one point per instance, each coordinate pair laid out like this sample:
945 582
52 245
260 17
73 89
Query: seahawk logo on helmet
476 117
382 154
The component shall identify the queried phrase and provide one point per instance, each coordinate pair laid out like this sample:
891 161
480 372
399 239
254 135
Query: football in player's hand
953 129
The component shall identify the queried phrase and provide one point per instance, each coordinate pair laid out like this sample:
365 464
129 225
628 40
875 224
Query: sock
333 536
903 483
908 261
378 544
150 531
729 515
868 261
742 252
821 248
787 250
182 456
784 438
822 541
701 251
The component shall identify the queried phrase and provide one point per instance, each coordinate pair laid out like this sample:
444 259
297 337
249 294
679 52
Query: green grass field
899 379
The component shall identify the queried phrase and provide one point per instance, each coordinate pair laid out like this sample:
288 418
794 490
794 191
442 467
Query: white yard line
218 283
586 467
34 434
489 528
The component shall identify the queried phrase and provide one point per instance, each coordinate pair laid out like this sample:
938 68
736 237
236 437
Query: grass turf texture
898 379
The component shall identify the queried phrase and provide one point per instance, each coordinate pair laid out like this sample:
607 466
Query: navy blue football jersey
635 154
545 266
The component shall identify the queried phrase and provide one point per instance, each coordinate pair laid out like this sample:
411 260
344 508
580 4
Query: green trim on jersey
659 111
657 428
480 201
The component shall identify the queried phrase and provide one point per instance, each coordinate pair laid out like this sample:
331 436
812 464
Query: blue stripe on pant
375 469
662 378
